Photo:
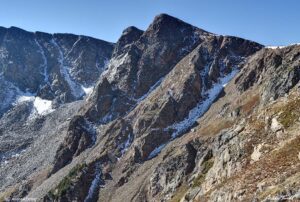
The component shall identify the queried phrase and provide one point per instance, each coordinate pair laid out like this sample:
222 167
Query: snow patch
87 90
25 98
275 47
42 106
280 47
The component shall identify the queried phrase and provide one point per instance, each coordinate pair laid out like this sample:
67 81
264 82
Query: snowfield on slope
41 106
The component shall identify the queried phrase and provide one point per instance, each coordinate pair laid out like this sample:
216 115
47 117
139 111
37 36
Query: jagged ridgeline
170 113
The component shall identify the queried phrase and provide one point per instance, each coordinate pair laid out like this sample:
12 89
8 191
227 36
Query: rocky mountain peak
167 26
129 35
17 31
132 30
163 20
141 60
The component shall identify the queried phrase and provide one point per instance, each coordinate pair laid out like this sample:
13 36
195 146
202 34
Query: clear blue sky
270 22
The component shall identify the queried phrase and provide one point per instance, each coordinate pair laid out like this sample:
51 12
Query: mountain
176 114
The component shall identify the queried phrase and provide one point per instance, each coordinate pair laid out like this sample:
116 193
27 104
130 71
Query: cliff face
179 114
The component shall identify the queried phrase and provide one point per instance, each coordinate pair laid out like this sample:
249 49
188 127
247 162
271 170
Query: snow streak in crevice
143 97
156 151
92 130
76 42
198 111
45 62
152 88
211 95
95 185
76 90
126 144
203 76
